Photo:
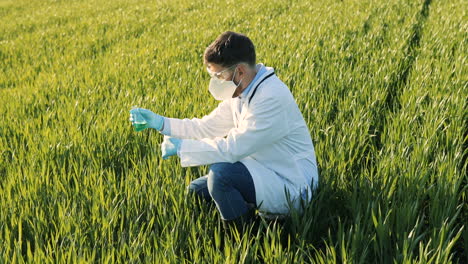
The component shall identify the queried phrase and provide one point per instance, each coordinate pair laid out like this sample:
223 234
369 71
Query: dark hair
230 48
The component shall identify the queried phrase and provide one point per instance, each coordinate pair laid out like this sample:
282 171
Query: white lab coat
269 136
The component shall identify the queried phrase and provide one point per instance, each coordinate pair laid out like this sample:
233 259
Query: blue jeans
229 185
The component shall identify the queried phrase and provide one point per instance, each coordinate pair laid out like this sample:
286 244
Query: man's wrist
157 123
179 146
162 126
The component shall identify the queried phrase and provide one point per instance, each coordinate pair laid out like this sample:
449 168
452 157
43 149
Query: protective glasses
218 75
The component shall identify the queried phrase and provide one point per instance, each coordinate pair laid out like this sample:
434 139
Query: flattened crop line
399 78
366 26
347 44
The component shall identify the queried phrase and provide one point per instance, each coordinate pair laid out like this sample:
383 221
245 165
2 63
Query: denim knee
199 188
218 176
197 185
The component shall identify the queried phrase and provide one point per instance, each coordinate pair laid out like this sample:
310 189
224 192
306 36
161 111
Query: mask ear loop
237 85
233 76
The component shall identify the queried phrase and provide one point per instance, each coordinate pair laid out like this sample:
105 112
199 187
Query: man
256 140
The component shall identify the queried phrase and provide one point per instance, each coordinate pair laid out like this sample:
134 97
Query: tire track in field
318 60
399 79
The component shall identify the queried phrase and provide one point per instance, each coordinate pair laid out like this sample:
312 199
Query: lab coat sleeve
216 124
265 123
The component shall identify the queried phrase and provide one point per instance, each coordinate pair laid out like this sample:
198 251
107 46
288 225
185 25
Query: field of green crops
383 86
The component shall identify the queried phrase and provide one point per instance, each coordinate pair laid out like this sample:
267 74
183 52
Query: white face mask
221 89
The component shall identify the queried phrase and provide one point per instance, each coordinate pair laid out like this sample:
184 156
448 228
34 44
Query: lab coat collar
258 72
268 71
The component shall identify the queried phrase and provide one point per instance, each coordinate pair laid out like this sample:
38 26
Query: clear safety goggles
218 75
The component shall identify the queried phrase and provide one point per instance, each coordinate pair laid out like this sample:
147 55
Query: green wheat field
382 85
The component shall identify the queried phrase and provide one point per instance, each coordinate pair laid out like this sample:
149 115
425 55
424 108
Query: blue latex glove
170 146
154 120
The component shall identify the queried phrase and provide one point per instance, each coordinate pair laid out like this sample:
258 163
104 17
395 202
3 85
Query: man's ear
241 70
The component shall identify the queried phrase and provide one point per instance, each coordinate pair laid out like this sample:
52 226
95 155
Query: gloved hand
170 146
154 120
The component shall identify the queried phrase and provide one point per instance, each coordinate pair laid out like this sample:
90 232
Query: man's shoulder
273 88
